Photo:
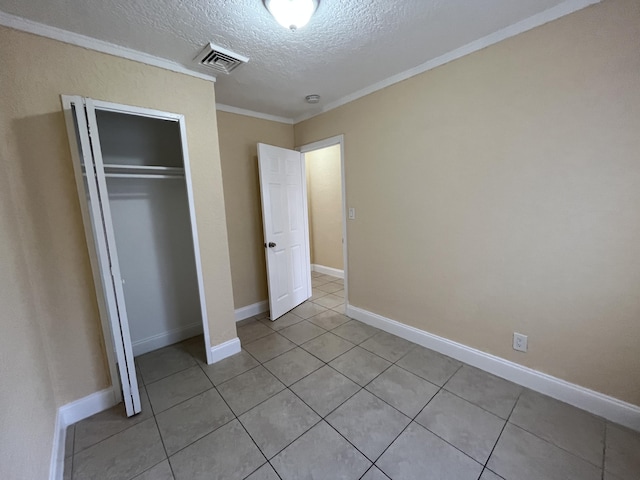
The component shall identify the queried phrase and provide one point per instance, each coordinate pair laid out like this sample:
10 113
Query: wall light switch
352 213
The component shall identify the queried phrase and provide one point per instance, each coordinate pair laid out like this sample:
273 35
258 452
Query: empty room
320 239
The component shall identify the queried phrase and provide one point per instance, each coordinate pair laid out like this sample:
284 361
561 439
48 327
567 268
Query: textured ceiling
347 46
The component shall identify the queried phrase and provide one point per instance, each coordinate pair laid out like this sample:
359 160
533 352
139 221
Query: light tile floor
316 395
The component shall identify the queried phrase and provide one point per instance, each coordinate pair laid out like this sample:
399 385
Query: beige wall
501 193
49 312
324 194
239 136
27 403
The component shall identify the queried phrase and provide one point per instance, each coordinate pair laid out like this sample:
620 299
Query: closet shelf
142 169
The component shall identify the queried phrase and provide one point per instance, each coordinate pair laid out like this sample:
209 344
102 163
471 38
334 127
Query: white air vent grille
220 59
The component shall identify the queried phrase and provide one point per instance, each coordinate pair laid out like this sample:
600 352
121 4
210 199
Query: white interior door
286 229
95 206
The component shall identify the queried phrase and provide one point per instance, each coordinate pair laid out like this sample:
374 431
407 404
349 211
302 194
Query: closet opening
145 178
133 176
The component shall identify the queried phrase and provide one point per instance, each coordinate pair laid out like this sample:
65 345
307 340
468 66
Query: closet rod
141 175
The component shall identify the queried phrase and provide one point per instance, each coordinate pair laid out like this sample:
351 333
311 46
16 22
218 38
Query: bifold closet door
87 162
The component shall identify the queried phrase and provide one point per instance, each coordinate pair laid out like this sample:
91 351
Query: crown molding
564 8
29 26
250 113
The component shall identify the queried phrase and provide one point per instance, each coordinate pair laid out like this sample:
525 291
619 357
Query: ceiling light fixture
313 98
292 14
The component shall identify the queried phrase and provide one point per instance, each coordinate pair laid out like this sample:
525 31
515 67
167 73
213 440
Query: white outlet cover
520 342
352 213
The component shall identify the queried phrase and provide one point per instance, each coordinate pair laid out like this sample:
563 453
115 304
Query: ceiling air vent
220 59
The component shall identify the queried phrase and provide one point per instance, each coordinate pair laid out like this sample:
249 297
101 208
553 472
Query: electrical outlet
352 213
520 342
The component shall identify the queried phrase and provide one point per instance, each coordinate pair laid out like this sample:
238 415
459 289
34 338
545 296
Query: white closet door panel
75 119
120 325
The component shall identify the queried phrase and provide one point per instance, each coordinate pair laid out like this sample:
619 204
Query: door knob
272 244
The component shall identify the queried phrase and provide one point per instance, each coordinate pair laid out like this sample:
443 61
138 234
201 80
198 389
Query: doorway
326 206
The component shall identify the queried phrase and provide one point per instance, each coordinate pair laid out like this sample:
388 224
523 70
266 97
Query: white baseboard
251 310
224 350
334 272
85 407
166 338
597 403
68 415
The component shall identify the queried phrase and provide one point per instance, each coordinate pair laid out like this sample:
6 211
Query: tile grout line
200 438
156 419
233 413
245 430
300 346
386 403
361 388
323 418
412 419
604 448
478 406
507 420
350 443
492 413
257 405
501 432
355 393
549 442
184 400
114 434
235 417
171 374
470 402
337 335
286 387
145 383
154 466
153 414
268 461
373 465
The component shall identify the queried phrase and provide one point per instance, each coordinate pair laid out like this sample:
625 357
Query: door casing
330 142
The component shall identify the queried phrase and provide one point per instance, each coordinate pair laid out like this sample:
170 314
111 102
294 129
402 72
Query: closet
132 171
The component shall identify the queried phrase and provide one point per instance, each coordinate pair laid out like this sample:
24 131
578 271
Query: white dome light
292 14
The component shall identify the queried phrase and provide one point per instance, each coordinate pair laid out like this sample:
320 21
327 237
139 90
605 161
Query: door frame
95 252
179 118
320 144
